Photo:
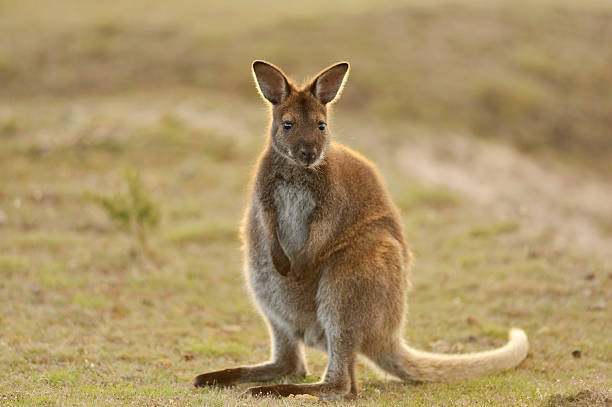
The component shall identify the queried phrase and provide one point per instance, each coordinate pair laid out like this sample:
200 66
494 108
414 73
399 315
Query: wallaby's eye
287 126
322 126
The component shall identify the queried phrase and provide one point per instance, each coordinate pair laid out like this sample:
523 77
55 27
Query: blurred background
128 131
536 76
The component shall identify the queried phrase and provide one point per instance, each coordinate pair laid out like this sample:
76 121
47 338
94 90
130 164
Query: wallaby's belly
289 301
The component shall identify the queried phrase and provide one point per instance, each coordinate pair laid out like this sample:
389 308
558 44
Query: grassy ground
84 319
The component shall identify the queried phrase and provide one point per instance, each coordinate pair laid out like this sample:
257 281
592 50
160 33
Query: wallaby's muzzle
307 155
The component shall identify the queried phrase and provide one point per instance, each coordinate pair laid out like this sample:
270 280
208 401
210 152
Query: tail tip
517 333
519 337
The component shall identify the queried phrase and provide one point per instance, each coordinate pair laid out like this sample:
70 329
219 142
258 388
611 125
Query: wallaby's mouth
319 157
308 163
307 160
316 162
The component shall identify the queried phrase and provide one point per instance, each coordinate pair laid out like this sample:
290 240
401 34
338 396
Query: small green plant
132 211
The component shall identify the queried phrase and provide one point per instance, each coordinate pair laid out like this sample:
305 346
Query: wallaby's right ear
271 82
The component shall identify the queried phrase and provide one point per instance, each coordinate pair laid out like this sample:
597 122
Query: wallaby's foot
324 391
221 378
244 374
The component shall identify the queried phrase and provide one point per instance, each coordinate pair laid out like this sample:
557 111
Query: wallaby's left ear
271 81
328 84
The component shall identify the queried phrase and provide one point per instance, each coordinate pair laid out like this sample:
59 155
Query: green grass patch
63 377
174 133
10 126
202 232
84 300
214 349
40 240
55 276
416 195
10 265
495 331
494 229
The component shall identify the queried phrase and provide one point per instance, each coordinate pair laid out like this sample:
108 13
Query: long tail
415 365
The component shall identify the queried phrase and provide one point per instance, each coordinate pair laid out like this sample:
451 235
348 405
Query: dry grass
85 321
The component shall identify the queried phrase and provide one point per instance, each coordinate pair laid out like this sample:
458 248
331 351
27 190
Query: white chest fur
294 204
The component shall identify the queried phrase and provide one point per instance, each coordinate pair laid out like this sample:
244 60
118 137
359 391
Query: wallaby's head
299 114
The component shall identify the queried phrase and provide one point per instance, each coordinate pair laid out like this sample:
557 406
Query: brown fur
326 258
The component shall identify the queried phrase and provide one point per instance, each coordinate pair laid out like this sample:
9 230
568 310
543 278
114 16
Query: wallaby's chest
294 204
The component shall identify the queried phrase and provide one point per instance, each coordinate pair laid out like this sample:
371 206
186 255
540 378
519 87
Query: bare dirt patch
574 208
584 398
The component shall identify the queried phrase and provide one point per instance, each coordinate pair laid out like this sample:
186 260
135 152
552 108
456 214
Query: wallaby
325 256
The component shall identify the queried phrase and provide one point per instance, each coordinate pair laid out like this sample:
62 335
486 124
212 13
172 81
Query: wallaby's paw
281 262
300 265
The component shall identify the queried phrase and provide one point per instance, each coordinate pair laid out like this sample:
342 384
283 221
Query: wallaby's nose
308 154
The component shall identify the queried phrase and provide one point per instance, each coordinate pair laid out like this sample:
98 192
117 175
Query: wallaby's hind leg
287 360
361 304
339 381
336 313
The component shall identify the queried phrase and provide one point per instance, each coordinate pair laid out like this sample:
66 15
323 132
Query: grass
83 321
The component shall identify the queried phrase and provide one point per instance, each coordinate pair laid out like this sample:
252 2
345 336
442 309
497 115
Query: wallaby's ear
271 81
328 84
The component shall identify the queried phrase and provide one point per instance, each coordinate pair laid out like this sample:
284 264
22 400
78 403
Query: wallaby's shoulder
356 171
349 160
